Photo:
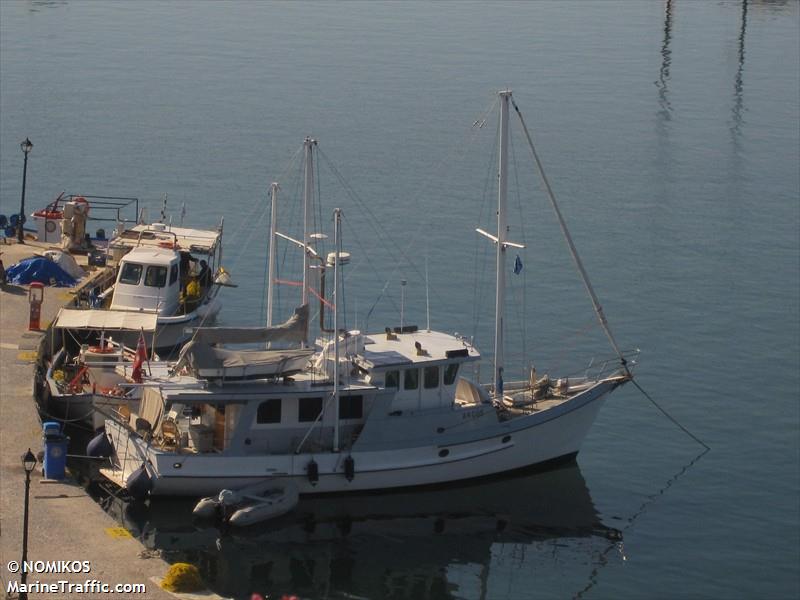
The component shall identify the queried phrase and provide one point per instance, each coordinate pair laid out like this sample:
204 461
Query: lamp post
29 462
26 147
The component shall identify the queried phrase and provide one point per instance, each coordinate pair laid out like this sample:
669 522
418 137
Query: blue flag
517 265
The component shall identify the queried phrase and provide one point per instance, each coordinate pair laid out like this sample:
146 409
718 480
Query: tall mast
309 190
272 229
337 242
501 240
502 231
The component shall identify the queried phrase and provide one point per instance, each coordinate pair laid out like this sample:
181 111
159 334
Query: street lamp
26 147
29 463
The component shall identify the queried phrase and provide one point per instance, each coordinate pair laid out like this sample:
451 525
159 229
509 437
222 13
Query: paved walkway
65 523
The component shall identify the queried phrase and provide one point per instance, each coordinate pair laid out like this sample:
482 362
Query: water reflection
666 60
738 86
437 544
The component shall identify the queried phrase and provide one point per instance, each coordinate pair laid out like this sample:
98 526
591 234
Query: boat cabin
407 373
157 270
148 280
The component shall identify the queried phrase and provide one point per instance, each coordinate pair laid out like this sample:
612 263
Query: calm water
671 134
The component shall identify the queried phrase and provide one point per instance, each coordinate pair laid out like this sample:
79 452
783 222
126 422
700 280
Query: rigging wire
482 249
598 309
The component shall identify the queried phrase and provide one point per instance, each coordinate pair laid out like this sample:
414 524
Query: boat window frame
160 277
394 377
173 274
427 382
347 406
269 401
406 379
126 266
303 411
451 373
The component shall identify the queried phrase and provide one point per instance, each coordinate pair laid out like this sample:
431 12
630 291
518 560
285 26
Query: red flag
141 356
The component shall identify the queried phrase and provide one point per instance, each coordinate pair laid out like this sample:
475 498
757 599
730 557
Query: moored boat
371 411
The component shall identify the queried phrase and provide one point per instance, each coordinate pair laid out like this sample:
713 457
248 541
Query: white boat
250 505
91 369
156 264
372 411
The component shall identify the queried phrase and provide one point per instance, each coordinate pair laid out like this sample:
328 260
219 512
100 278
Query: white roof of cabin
380 352
149 255
200 241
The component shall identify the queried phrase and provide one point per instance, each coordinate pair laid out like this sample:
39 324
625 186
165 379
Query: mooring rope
670 417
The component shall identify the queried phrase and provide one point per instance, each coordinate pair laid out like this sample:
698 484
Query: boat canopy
201 355
71 318
293 331
199 241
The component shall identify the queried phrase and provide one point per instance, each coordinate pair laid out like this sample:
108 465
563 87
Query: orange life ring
107 349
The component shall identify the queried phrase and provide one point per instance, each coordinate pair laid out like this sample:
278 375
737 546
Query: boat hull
523 442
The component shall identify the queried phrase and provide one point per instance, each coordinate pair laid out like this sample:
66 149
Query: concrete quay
65 524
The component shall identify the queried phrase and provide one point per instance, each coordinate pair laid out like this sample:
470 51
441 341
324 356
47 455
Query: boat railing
597 370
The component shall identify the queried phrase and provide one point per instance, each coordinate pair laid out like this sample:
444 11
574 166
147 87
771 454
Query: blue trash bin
55 450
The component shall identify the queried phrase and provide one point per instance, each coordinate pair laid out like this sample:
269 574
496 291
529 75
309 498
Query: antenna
403 283
427 294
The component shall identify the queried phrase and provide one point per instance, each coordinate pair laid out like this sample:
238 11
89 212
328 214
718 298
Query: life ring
84 201
50 226
107 349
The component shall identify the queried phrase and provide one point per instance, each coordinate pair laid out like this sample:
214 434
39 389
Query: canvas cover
72 318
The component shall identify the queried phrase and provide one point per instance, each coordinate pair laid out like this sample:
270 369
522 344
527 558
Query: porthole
443 453
177 465
506 439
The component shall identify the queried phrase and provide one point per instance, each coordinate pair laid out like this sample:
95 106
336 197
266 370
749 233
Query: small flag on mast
517 265
141 357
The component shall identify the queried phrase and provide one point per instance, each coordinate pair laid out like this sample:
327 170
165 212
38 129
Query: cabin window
131 273
173 274
351 407
450 372
156 277
411 379
308 409
430 377
269 411
392 379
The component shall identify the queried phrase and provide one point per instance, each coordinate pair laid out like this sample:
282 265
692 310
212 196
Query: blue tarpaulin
39 269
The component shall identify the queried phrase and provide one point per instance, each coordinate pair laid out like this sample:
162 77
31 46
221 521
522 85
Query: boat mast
502 231
272 229
308 143
337 241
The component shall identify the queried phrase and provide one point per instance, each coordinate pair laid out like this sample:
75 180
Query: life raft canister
84 201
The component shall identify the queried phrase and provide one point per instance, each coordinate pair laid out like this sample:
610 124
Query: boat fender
312 469
349 468
100 446
139 483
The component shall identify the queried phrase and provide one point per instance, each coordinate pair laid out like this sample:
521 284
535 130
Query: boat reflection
443 543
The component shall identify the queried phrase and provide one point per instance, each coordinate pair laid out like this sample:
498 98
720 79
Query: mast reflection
666 61
738 85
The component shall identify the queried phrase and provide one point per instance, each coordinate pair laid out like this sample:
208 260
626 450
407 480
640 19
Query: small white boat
249 505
